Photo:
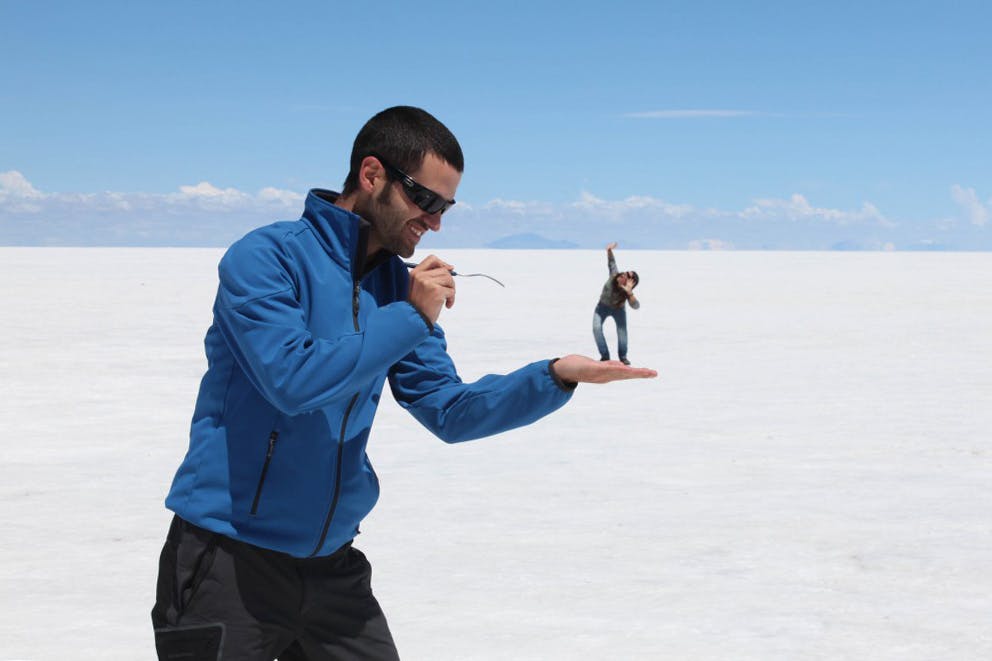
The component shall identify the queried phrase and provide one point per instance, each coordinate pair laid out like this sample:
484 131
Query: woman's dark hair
403 135
631 274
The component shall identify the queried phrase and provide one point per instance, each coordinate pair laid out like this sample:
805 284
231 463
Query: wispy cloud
798 208
646 221
519 208
198 214
710 244
688 113
206 214
967 199
615 210
19 196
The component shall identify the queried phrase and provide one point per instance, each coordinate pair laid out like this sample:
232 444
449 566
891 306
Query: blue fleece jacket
305 333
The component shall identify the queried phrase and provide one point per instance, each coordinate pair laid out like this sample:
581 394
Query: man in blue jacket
311 318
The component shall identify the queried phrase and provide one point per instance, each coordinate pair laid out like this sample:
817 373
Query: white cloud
19 196
14 184
119 201
650 221
281 197
206 214
968 200
207 196
710 244
205 189
695 114
519 208
617 209
798 208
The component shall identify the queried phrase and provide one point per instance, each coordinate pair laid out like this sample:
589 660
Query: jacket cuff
567 386
430 326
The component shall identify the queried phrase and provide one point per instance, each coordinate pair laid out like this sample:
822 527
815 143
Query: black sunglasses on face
429 201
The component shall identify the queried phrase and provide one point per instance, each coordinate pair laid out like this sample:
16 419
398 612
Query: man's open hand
582 369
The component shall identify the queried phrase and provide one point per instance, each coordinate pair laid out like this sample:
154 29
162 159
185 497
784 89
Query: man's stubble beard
387 224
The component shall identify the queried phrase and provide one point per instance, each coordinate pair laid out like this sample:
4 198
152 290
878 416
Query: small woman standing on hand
617 292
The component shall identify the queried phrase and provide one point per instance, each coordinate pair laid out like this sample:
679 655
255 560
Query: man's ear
370 174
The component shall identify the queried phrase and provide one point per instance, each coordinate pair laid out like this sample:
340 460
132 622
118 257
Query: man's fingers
431 263
586 370
617 371
446 288
432 286
627 372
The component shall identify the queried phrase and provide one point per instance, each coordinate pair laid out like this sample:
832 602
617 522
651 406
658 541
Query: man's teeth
418 232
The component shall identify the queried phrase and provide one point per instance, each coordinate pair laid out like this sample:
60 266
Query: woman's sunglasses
429 201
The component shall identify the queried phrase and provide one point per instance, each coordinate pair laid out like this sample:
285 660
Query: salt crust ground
809 478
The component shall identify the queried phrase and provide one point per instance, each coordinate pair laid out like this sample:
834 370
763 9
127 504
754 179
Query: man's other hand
582 369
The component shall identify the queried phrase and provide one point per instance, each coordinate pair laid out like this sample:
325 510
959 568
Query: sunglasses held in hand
413 265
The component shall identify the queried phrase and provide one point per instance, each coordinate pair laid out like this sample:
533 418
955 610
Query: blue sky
656 124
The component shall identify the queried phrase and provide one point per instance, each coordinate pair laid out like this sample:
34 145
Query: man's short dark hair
403 135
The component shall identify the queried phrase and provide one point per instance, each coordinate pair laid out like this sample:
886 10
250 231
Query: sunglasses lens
424 199
429 201
435 205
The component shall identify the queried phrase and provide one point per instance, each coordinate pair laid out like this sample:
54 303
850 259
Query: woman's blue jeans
619 316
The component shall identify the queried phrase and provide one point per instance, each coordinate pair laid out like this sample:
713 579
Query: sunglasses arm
413 265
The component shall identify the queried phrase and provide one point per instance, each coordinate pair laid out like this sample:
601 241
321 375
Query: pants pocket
196 557
196 643
187 556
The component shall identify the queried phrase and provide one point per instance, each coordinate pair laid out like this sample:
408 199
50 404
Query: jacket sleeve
263 323
426 384
611 263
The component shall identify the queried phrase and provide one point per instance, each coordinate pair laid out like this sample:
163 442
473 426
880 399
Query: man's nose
433 221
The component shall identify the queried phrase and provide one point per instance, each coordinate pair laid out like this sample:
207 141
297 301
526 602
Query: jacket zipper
265 469
337 478
355 296
355 293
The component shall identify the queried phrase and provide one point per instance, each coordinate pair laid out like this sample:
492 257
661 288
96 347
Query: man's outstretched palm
582 369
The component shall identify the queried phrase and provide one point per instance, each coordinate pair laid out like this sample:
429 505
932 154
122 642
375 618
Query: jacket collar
343 234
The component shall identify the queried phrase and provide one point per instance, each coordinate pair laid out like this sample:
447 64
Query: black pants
221 599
